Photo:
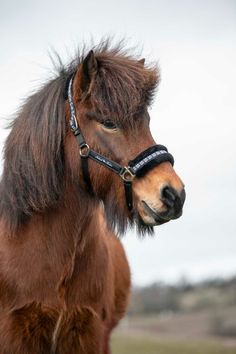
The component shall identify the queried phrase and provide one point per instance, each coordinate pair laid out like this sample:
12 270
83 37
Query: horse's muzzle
173 202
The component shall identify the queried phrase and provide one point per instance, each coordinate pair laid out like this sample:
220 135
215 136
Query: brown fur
64 277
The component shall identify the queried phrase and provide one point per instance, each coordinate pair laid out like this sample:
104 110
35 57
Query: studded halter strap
137 167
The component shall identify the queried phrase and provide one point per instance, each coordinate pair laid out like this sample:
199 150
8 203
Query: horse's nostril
182 196
173 201
168 196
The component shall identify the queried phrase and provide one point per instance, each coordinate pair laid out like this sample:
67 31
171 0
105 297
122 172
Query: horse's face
159 194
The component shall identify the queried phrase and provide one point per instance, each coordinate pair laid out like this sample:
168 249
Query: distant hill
184 296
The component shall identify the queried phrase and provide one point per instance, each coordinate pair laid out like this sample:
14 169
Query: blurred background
184 278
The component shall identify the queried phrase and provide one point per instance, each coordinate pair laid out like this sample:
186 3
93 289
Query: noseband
137 167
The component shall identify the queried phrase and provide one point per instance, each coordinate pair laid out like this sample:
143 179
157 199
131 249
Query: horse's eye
108 124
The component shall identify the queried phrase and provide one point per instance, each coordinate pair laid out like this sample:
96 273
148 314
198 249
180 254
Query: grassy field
182 319
138 344
172 334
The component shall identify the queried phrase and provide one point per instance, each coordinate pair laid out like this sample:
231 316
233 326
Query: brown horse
64 277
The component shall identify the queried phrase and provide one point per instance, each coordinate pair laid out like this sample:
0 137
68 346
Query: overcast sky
194 112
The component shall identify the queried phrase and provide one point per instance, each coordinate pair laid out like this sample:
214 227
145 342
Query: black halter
137 167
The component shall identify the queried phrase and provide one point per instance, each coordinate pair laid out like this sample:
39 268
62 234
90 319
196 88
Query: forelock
123 87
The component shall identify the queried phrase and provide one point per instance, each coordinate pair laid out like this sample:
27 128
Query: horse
80 166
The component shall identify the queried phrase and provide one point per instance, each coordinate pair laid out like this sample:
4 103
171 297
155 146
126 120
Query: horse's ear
142 61
86 73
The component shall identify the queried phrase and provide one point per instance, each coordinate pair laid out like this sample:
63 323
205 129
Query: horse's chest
36 329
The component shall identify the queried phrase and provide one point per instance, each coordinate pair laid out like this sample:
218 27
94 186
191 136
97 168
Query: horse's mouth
150 216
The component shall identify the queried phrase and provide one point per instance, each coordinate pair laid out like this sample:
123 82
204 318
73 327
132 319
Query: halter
137 167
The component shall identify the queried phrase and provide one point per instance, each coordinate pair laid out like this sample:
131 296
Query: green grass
134 344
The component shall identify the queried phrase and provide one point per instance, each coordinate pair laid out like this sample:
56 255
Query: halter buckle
84 150
127 175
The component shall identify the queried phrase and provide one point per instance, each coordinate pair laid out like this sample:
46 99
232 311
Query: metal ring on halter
84 150
127 175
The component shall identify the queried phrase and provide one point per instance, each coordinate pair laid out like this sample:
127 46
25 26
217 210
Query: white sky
194 112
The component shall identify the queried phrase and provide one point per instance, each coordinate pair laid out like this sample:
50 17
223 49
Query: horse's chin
149 216
150 221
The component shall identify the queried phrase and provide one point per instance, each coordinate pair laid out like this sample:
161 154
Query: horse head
109 95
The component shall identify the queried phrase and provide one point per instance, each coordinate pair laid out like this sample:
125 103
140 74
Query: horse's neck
76 226
54 247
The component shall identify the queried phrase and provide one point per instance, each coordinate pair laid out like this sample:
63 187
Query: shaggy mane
33 176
